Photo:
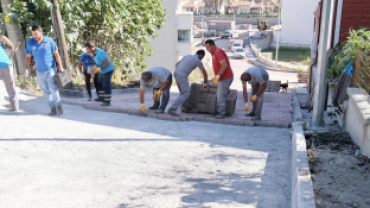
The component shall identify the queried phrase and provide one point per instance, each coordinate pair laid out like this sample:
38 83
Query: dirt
340 175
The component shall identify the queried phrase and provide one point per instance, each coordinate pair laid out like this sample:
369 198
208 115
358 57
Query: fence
361 75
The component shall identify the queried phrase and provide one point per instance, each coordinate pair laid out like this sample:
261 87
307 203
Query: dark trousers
107 86
97 83
165 95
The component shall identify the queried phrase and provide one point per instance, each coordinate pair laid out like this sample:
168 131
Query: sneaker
60 109
154 107
160 111
215 113
53 112
99 99
220 116
251 114
257 118
90 99
173 112
105 104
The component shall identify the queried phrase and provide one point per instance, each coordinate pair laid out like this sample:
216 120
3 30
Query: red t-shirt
219 55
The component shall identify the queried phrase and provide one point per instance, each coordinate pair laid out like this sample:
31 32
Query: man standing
259 79
183 70
224 76
42 49
87 60
7 75
107 68
161 80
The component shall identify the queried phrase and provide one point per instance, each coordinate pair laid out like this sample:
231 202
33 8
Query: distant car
239 53
227 34
236 46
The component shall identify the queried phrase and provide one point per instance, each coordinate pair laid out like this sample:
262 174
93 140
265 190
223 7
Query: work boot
105 104
257 118
99 99
251 114
220 116
53 112
90 98
154 107
160 111
173 112
60 109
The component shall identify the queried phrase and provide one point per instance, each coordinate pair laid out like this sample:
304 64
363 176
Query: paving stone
248 122
214 120
264 123
235 122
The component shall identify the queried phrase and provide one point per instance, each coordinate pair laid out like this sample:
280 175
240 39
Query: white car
236 46
239 53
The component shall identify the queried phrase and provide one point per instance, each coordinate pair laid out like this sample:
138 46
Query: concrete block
214 120
248 122
198 118
234 122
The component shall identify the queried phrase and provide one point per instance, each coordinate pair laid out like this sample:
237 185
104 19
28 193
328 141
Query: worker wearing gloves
224 76
161 80
259 79
182 71
87 60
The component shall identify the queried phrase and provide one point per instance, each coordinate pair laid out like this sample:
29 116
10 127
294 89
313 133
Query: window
184 35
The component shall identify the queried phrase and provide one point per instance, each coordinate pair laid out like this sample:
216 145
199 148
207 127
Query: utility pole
58 26
278 41
16 36
324 49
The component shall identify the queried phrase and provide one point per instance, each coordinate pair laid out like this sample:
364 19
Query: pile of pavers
205 100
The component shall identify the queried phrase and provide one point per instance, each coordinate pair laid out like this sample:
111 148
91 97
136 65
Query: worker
258 78
224 76
161 80
182 71
7 75
43 49
87 60
107 69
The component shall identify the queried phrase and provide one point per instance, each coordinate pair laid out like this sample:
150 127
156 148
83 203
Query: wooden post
356 72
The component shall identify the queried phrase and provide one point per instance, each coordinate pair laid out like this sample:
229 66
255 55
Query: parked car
227 34
239 53
236 46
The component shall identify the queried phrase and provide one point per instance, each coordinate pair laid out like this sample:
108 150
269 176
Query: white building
297 22
174 39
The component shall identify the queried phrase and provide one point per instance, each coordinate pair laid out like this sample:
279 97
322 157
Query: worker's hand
205 85
26 73
15 49
96 70
253 98
215 80
157 95
142 108
246 108
61 70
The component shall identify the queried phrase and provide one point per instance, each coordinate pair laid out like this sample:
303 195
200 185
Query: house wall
185 22
297 22
244 9
165 45
355 14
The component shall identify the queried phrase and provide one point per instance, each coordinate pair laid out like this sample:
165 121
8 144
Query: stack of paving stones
205 101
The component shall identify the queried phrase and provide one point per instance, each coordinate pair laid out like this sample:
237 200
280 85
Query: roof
188 5
200 4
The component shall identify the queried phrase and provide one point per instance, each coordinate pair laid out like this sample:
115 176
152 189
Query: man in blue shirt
42 49
7 75
107 68
87 60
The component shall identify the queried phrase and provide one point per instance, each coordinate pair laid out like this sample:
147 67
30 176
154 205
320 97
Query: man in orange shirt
224 76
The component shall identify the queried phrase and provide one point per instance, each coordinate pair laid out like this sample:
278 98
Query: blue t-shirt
99 58
42 53
4 59
85 59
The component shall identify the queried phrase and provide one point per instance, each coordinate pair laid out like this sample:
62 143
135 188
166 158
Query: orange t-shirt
219 55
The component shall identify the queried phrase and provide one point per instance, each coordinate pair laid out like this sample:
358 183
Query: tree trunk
58 26
15 35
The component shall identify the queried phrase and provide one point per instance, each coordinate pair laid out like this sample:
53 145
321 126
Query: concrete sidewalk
100 159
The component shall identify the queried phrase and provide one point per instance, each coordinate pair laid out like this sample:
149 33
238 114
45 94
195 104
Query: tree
121 27
217 4
229 4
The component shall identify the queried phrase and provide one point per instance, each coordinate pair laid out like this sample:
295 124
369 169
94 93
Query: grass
292 55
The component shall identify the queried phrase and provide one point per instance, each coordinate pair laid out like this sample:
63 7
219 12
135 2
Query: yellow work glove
204 86
96 70
215 80
142 108
246 108
157 95
253 98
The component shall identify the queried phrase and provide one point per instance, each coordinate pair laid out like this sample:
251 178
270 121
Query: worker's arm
223 68
7 41
164 85
105 64
263 87
79 66
28 61
205 76
177 63
142 91
245 93
57 58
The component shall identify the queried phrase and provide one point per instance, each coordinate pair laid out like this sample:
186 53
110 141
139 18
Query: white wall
164 46
297 22
185 22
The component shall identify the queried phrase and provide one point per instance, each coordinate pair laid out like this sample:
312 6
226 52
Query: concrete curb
302 188
77 94
183 117
297 108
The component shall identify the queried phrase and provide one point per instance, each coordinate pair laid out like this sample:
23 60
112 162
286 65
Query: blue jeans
165 95
49 87
184 88
107 85
223 89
